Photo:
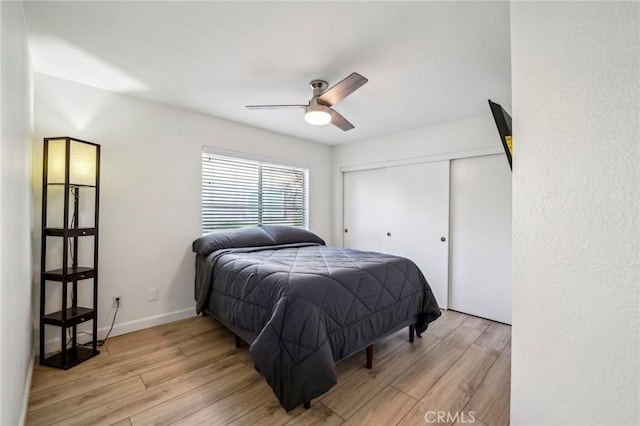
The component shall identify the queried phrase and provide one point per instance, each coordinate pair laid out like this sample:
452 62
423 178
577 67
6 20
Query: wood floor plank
436 363
173 332
452 392
139 341
104 376
349 367
102 364
224 343
244 355
196 399
123 422
229 408
490 402
49 376
318 414
215 341
386 408
150 398
167 331
42 373
347 398
75 406
207 335
268 414
448 321
200 323
495 336
477 323
137 348
180 366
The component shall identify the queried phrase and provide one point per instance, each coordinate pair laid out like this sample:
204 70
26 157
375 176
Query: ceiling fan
318 111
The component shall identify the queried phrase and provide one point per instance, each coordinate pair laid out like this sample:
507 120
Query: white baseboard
141 324
27 390
53 345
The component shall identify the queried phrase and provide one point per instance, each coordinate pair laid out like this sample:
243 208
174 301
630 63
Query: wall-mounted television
503 122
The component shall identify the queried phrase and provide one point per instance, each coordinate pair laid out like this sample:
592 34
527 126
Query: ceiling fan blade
343 89
275 106
339 121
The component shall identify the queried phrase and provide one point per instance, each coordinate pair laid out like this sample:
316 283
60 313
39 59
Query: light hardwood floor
189 372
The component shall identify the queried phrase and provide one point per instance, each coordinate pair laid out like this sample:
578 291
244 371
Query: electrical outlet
117 301
152 294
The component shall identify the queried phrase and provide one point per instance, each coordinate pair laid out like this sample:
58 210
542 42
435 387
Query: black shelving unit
59 163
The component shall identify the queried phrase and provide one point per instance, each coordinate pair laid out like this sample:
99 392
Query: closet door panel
481 237
364 212
418 220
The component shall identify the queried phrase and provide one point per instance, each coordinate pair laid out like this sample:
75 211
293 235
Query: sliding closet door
365 204
481 237
418 220
404 211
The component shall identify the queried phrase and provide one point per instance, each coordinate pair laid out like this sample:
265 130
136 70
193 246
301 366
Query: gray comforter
306 305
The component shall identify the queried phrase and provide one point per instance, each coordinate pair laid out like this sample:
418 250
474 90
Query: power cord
101 341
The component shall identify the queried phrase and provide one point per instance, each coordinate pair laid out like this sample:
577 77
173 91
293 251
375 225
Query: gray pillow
289 235
244 237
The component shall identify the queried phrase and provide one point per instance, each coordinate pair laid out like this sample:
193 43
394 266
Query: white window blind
237 192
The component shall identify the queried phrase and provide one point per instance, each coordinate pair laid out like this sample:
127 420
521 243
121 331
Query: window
238 192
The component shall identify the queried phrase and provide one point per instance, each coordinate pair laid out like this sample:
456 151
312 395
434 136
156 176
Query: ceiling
427 62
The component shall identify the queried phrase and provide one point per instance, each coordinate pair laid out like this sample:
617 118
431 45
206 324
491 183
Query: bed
302 305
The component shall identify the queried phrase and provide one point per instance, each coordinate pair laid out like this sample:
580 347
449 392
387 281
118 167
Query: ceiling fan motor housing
318 86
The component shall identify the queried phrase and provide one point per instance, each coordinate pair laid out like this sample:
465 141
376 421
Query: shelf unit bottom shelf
74 357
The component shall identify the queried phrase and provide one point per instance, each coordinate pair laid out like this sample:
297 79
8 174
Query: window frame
261 160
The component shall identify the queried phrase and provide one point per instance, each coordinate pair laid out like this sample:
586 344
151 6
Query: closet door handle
388 234
346 230
443 239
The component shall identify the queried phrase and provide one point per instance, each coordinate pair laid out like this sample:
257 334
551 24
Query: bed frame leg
369 356
412 332
238 342
307 405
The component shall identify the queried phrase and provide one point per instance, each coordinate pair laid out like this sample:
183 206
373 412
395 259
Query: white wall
477 135
150 189
16 347
576 209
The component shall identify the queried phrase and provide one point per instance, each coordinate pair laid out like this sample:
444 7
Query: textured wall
576 195
15 218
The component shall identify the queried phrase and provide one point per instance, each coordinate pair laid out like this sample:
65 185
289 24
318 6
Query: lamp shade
82 162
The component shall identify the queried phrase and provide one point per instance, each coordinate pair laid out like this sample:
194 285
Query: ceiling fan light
318 115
